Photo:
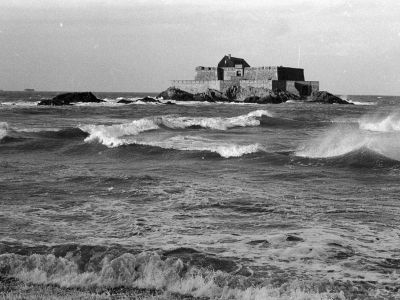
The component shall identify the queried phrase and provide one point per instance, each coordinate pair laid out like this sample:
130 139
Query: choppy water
225 201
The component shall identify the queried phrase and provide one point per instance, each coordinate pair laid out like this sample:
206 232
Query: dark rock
293 238
231 92
125 101
252 94
173 93
69 98
285 95
327 98
263 100
252 99
260 95
170 103
211 96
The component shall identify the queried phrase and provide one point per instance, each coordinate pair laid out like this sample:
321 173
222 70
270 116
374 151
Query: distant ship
29 90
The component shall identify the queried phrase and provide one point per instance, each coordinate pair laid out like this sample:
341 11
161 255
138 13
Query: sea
197 200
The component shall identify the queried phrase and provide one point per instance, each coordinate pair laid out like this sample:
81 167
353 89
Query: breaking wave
185 143
195 143
333 143
355 146
146 270
111 135
116 135
387 124
250 119
127 133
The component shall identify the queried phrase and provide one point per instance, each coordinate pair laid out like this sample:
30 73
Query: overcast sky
351 47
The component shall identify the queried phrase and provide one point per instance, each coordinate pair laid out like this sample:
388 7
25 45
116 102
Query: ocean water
217 201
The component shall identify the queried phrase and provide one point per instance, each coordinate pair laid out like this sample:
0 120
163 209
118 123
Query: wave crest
390 123
336 142
127 133
218 123
383 149
196 143
110 135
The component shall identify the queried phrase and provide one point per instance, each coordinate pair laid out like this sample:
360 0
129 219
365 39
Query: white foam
335 142
121 134
196 143
20 103
3 129
361 103
111 135
146 271
346 98
250 119
343 139
190 143
388 124
125 134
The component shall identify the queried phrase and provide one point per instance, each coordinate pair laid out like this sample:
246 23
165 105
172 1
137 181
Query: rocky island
234 80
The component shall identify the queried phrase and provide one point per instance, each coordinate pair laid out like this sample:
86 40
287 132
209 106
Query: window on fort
239 73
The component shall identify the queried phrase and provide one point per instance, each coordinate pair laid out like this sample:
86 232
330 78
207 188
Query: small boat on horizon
29 90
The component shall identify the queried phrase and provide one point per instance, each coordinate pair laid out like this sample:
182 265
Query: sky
351 47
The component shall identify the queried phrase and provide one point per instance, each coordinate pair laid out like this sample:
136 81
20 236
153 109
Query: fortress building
233 71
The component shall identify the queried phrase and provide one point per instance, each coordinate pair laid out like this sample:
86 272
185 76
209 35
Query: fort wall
229 73
301 88
205 73
260 73
226 84
256 83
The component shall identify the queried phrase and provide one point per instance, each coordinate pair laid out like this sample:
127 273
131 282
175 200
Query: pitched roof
229 62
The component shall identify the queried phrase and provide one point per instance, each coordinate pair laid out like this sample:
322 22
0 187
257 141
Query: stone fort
233 71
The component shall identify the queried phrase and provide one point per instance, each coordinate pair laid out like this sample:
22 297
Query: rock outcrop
211 96
327 98
173 93
125 101
69 98
258 95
